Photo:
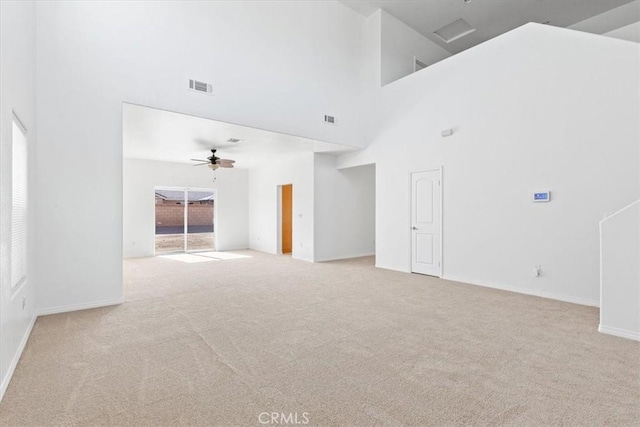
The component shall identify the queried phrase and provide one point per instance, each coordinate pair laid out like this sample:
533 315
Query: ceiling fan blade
198 160
227 161
224 165
200 164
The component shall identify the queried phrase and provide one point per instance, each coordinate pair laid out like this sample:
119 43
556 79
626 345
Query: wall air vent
330 120
202 87
455 30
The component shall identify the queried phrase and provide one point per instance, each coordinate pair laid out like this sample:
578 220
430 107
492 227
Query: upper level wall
539 108
401 45
629 32
610 20
622 22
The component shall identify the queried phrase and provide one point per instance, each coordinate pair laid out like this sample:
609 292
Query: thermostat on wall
542 196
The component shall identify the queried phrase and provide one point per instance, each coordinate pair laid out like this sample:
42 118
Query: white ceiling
490 17
154 134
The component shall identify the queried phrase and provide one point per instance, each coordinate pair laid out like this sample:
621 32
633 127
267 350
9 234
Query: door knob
414 228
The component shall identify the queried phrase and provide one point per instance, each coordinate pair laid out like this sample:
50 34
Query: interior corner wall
372 58
344 219
529 118
629 32
620 273
17 85
296 169
612 19
299 61
140 177
400 44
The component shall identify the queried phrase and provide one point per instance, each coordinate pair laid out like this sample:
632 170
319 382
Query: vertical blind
18 206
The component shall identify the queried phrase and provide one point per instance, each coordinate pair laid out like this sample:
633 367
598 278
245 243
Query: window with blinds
18 205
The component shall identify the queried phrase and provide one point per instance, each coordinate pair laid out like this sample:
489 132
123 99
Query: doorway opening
286 216
184 220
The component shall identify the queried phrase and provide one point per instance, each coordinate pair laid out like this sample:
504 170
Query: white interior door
426 222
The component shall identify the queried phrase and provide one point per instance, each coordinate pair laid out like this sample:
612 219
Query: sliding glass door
199 221
184 219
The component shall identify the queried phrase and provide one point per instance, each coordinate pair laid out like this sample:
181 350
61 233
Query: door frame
279 219
440 170
185 190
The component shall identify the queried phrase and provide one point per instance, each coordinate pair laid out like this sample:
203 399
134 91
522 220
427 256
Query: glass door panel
169 220
200 231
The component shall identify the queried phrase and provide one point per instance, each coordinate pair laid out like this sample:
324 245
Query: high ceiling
154 134
490 18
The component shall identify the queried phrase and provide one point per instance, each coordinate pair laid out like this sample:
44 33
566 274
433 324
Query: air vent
454 31
201 87
330 120
233 140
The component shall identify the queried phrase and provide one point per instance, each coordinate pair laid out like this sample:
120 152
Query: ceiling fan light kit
214 162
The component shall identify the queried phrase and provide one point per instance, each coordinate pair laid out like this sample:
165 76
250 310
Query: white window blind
18 205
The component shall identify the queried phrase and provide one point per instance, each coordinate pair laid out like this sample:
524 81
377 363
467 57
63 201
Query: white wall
400 44
620 274
344 210
629 32
140 177
530 117
274 65
610 20
622 22
17 85
296 169
372 58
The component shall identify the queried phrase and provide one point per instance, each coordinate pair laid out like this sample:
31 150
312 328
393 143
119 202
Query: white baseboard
622 333
526 291
76 307
350 256
16 358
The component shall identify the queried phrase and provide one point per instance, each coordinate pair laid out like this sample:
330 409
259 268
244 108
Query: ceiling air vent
201 87
233 140
454 30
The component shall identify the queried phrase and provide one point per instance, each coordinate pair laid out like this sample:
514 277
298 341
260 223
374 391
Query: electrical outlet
536 271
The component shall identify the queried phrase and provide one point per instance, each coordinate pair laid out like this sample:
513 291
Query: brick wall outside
200 214
170 214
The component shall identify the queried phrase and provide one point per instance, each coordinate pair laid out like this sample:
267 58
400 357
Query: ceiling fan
214 162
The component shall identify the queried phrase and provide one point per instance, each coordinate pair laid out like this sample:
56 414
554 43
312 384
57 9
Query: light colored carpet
219 342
